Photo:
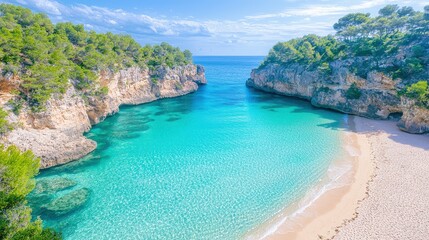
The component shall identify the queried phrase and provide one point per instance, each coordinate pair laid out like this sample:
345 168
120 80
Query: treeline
46 56
400 35
360 35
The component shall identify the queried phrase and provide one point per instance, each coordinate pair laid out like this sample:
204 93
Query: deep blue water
209 165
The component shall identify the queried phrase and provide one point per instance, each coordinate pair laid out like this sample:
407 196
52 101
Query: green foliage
367 42
388 10
17 171
351 20
154 79
104 90
5 126
419 92
178 86
353 92
310 50
16 104
47 56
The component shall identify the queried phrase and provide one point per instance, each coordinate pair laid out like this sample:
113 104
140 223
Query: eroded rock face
56 134
415 119
378 93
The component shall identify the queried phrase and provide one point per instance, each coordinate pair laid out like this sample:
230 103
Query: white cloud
255 33
50 7
326 9
100 18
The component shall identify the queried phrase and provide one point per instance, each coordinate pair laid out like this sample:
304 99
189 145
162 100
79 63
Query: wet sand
384 195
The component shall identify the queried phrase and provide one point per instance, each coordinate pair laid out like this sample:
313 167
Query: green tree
388 10
366 42
17 171
406 11
49 57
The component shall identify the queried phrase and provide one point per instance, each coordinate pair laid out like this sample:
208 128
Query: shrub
419 92
5 126
16 104
353 92
104 90
154 79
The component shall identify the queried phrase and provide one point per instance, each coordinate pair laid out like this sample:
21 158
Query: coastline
334 200
385 199
396 206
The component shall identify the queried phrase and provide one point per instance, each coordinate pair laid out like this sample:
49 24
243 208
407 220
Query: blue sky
210 27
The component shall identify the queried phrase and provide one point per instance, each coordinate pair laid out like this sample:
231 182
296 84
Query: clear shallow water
209 165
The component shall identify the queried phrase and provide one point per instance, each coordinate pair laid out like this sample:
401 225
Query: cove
210 165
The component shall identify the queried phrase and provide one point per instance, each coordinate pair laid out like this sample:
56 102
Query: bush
5 126
353 92
419 92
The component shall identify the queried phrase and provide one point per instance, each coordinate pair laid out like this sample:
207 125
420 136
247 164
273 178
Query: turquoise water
209 165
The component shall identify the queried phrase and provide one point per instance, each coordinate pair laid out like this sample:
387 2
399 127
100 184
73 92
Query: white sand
387 195
398 203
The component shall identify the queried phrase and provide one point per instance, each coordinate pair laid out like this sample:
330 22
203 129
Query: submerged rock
67 203
56 134
51 185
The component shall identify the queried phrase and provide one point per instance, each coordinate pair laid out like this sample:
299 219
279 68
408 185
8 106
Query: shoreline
333 201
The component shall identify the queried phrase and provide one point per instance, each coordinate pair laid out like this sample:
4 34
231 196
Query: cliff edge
56 133
377 95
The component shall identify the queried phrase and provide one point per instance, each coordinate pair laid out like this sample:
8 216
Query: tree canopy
398 34
370 38
46 55
17 171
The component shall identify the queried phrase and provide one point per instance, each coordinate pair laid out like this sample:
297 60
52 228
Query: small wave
333 180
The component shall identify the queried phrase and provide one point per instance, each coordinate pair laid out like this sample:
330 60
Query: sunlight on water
209 165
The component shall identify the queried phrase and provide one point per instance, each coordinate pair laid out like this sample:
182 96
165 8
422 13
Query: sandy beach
397 204
383 196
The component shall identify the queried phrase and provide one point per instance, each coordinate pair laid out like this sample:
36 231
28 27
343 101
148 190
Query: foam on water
210 165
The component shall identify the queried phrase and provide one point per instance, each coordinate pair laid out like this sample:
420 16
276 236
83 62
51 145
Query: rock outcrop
56 134
378 96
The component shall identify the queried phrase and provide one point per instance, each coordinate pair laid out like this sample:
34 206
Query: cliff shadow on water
281 101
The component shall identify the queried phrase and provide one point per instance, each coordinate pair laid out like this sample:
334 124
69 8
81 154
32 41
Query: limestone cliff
56 134
378 93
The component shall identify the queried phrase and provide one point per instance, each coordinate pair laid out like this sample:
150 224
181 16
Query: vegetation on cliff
17 171
419 92
46 56
395 42
5 126
353 92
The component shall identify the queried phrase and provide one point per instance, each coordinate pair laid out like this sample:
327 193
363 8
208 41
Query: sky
210 27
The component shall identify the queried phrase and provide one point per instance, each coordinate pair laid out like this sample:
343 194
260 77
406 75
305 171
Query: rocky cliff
377 93
56 134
